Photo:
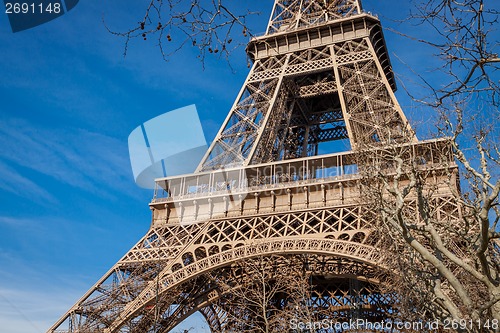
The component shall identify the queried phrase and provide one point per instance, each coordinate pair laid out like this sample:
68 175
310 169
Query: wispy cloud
12 181
36 287
35 311
89 161
32 311
15 221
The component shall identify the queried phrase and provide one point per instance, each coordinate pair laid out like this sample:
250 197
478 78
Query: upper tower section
290 15
297 25
321 82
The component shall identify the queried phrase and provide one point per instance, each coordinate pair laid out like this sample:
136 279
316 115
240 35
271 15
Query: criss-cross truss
310 84
280 181
289 15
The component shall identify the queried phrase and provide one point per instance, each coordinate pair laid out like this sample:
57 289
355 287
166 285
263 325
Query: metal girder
351 68
289 15
314 222
320 73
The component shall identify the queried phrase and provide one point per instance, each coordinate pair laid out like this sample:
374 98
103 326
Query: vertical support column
272 103
323 194
228 118
340 89
397 108
289 192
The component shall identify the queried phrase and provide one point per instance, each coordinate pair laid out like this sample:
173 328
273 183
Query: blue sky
69 208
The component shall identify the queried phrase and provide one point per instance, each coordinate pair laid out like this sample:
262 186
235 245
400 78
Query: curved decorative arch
330 247
206 302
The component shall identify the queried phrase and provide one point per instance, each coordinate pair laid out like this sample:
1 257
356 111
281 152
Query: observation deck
296 184
324 34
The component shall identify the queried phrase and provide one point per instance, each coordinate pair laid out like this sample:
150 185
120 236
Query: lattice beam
289 15
321 73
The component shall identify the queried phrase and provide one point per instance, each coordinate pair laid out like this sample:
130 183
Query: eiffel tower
279 180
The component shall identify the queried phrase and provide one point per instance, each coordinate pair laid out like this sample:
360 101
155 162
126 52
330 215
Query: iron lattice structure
321 77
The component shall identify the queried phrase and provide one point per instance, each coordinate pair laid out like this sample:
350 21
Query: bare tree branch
209 26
